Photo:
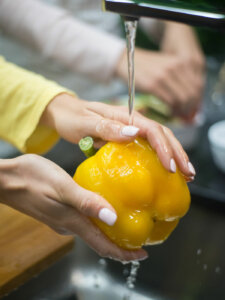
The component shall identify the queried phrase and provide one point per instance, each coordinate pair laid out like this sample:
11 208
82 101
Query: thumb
89 203
110 130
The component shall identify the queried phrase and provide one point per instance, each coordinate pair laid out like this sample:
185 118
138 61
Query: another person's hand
176 74
74 119
41 189
180 40
168 76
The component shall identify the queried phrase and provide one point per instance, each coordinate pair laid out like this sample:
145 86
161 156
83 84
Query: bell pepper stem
87 146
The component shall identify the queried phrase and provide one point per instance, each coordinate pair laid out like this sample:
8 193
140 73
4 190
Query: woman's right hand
170 77
41 189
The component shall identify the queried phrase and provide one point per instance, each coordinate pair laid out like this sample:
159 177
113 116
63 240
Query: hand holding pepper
43 190
74 119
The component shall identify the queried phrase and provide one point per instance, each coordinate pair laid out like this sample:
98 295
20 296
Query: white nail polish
191 168
107 216
129 130
173 165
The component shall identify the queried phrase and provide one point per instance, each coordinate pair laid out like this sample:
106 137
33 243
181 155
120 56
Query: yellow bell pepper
148 199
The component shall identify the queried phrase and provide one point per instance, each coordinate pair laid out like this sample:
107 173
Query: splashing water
131 279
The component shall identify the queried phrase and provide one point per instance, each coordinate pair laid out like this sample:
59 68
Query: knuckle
168 130
85 205
100 125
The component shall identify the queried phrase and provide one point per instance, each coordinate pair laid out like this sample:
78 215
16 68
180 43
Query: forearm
179 36
23 99
154 28
59 36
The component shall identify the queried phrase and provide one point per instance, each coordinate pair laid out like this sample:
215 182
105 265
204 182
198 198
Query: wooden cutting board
26 248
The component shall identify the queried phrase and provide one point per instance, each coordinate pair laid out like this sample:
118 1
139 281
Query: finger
163 93
159 143
74 223
179 93
149 130
88 203
180 155
96 239
146 126
109 130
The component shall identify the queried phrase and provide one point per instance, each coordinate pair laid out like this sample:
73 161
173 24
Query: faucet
199 12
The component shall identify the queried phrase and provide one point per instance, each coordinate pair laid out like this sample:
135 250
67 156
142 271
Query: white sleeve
153 27
57 35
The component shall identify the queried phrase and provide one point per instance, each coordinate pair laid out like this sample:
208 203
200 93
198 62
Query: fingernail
107 216
190 179
129 130
191 168
173 166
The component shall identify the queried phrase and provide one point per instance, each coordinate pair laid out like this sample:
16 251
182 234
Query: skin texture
176 74
44 191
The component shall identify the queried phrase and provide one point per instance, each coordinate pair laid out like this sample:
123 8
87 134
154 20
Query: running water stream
130 29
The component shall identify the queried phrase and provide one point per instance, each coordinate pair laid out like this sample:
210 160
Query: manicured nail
191 168
107 216
129 130
173 166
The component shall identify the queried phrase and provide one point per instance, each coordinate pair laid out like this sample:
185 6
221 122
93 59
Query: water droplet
199 251
103 263
205 267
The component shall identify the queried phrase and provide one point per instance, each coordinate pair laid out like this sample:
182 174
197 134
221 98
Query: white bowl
216 135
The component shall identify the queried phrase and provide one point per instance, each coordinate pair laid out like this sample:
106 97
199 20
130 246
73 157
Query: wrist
56 106
7 168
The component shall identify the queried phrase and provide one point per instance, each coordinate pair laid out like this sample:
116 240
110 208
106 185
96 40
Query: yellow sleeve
23 98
